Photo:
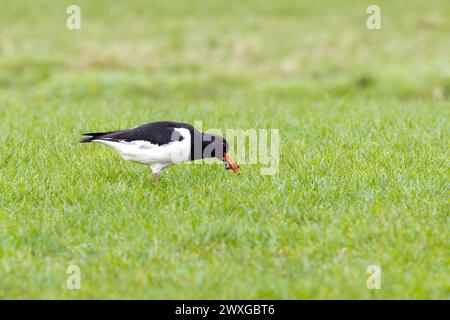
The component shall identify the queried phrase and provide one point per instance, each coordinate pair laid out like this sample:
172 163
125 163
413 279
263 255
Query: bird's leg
155 173
155 176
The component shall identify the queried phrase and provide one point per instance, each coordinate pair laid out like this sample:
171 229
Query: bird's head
229 164
217 146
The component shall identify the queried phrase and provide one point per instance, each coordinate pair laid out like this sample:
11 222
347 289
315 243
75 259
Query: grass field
364 169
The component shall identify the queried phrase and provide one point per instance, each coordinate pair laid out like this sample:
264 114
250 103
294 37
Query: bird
162 144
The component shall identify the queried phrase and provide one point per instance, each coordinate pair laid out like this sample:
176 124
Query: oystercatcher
163 144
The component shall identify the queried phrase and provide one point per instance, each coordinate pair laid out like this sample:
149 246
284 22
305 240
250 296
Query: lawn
364 166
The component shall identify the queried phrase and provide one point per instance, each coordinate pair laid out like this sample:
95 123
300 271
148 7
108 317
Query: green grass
364 170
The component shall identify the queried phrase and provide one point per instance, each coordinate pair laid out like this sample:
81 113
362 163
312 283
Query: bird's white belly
152 154
146 153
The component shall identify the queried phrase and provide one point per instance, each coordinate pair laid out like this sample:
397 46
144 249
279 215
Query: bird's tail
93 136
87 139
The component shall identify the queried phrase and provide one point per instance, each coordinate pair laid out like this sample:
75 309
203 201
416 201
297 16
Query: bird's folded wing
158 133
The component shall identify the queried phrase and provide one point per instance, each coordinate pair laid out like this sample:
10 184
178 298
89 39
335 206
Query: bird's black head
215 146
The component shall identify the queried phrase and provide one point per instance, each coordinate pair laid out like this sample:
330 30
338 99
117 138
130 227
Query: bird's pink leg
155 176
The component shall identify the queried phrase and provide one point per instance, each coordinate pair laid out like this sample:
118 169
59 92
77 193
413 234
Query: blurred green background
363 118
303 47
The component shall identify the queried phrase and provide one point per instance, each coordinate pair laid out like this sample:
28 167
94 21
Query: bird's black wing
159 133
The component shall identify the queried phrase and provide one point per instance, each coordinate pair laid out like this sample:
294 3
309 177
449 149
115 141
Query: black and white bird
163 144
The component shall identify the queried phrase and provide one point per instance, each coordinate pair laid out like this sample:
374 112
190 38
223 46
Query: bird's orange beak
230 163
